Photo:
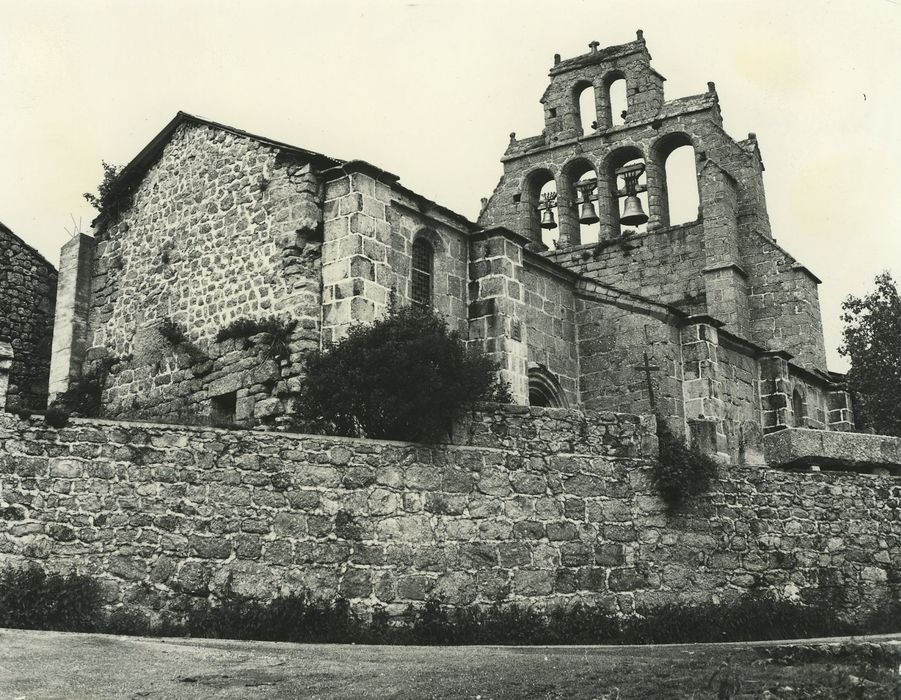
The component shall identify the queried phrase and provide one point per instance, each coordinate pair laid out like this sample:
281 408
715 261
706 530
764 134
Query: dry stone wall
27 301
541 506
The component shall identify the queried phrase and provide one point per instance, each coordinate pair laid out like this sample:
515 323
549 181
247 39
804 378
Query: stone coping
805 447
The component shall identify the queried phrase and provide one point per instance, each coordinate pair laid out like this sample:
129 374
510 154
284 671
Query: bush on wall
680 471
404 377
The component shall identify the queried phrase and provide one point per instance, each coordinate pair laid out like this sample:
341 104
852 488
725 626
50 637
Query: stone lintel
805 447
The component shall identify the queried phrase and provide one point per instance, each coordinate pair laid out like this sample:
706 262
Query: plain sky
430 90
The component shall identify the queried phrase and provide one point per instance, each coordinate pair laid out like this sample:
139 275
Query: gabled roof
132 173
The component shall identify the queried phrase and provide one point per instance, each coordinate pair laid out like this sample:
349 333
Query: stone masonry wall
663 265
222 227
541 507
784 302
27 301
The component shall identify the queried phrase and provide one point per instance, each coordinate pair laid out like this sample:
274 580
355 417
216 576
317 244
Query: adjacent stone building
708 322
27 300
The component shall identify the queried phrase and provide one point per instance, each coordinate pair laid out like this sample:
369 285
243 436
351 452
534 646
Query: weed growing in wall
175 334
279 331
680 471
404 377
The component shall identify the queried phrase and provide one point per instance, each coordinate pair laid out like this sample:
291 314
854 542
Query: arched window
587 106
423 264
544 389
799 409
617 100
677 180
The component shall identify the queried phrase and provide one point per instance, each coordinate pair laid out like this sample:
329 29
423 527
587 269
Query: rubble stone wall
222 227
27 302
541 506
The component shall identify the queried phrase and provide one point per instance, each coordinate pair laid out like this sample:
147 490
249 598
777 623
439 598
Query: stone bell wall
538 506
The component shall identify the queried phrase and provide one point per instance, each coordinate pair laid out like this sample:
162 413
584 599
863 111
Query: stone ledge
804 447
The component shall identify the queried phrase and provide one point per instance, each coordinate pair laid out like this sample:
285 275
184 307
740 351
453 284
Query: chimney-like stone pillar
495 293
775 390
702 388
6 363
73 302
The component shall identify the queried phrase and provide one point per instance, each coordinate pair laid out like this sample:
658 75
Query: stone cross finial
594 46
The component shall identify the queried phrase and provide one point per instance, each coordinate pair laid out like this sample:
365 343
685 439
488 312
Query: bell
547 219
587 214
633 214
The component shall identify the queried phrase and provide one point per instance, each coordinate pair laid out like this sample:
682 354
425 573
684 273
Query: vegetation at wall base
33 599
680 471
872 342
404 377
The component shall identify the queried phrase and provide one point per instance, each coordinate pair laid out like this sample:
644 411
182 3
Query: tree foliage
404 377
872 342
105 190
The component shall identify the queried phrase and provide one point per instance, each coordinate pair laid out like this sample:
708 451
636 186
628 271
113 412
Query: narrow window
421 293
798 409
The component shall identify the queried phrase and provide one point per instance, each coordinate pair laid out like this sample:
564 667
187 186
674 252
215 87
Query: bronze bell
547 219
587 214
633 214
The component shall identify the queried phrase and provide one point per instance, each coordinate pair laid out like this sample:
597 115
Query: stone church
709 322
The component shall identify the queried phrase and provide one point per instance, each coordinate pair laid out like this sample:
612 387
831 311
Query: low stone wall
541 509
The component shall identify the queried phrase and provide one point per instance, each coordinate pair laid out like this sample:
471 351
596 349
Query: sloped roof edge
37 253
138 166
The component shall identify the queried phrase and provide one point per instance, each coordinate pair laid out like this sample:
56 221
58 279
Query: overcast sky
430 90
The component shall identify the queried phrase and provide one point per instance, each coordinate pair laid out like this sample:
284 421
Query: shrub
107 197
177 337
404 377
680 471
32 599
56 416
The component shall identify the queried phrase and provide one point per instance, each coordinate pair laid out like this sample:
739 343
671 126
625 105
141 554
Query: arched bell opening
617 101
673 194
544 388
585 103
539 206
579 207
628 196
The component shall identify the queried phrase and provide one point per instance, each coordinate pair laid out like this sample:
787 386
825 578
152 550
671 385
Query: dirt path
59 665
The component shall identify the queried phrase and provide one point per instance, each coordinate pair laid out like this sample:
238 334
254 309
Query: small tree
105 190
404 377
872 342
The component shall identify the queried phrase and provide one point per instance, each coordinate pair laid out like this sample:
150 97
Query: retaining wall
542 506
